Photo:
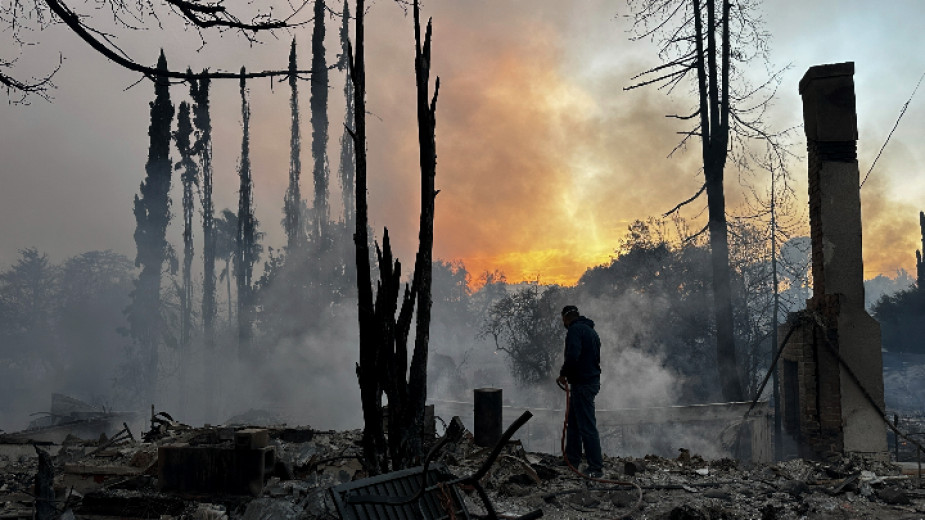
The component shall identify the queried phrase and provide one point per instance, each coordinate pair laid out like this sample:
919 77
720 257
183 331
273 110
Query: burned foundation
832 367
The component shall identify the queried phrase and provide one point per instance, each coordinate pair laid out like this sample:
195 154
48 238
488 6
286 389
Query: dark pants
582 427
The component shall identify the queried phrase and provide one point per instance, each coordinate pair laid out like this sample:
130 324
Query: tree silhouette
292 205
347 166
246 251
152 214
199 91
523 326
28 293
319 106
189 178
383 364
33 16
704 41
226 231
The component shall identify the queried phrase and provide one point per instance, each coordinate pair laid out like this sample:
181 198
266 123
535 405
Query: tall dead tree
319 108
246 237
373 442
189 177
202 119
384 326
199 92
423 265
696 40
152 214
347 167
293 203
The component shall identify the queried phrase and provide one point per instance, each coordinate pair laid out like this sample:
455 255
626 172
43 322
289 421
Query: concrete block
214 469
251 439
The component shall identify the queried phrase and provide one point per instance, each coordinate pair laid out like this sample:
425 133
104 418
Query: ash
100 479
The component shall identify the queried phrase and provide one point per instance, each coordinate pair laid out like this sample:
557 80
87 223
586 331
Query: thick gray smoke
302 370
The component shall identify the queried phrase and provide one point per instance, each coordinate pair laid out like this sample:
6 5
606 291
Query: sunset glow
543 158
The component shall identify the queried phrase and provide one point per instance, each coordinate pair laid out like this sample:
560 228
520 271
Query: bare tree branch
703 187
73 21
697 234
660 78
40 87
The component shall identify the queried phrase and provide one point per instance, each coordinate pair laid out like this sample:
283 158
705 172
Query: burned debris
131 479
70 417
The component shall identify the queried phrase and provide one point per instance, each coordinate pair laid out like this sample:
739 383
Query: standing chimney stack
833 361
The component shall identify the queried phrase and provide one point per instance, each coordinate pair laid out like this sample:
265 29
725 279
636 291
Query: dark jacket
582 353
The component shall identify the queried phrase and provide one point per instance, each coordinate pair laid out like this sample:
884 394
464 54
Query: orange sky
543 158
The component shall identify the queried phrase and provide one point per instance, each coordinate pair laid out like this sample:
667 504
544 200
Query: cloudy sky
543 158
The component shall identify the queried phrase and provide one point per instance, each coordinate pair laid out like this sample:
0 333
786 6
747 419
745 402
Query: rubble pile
102 479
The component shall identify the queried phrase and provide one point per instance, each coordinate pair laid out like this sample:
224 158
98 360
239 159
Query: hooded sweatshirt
582 353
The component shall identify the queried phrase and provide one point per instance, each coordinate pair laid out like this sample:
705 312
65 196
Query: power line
901 114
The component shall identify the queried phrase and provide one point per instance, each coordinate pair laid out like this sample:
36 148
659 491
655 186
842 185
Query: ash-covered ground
104 479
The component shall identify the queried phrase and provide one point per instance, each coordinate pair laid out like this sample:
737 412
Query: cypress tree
199 91
347 167
293 201
245 240
189 177
319 108
152 214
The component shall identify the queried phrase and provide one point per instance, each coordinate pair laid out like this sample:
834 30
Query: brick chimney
823 406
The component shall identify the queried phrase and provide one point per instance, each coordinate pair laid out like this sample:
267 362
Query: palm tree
226 229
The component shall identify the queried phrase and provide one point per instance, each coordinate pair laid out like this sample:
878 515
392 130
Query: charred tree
293 202
384 332
347 166
199 91
714 127
246 237
373 442
696 40
44 486
152 214
189 177
423 266
319 117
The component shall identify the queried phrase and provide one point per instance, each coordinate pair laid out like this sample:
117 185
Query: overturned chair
428 492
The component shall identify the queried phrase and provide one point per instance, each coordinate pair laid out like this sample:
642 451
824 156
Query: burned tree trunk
374 455
199 91
423 267
44 487
407 397
714 124
694 39
189 177
347 166
383 335
319 108
245 239
293 203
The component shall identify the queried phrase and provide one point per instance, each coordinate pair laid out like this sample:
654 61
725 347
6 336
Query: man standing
582 371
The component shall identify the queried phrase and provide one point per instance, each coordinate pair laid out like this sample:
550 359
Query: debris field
122 477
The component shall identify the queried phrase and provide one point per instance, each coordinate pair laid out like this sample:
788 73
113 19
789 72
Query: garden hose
565 387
